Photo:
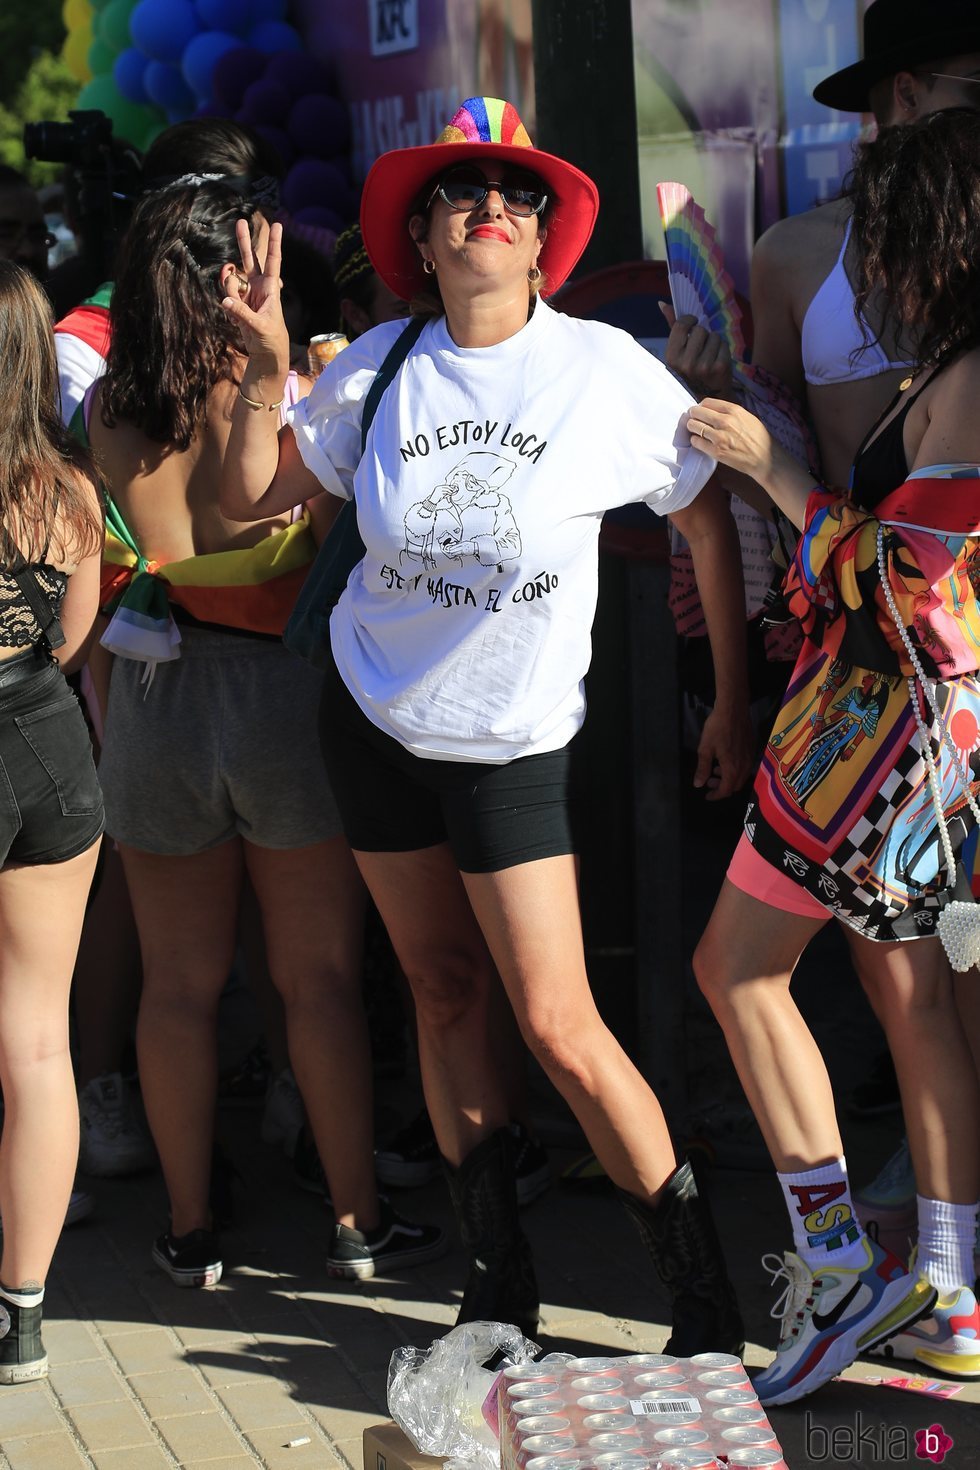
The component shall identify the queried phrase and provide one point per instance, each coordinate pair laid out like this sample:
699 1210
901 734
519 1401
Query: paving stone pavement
145 1376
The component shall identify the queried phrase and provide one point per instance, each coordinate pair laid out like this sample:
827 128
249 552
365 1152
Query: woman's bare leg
912 991
313 901
186 911
530 917
424 907
41 910
106 989
744 965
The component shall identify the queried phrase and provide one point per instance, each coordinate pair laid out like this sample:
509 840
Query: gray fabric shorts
222 743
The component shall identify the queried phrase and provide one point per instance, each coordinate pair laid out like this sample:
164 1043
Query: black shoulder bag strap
346 548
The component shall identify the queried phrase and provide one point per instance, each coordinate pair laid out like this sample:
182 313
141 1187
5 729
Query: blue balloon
268 10
201 56
162 28
166 87
128 72
274 35
234 16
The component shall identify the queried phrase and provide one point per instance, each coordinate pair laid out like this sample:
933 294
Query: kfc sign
394 26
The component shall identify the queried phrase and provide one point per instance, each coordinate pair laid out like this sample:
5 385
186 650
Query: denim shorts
50 800
493 815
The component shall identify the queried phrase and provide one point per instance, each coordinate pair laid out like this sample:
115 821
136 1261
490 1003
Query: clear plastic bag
436 1394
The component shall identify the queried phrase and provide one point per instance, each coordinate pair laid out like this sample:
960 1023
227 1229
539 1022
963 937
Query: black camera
83 143
102 178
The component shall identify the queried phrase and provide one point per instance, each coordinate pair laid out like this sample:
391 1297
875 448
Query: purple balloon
320 125
265 101
319 214
299 72
127 73
201 57
275 136
274 35
166 87
234 16
233 72
314 182
162 28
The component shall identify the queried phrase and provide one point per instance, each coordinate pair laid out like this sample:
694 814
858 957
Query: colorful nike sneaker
832 1314
948 1341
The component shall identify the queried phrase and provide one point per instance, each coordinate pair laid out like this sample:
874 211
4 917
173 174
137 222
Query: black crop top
881 465
18 625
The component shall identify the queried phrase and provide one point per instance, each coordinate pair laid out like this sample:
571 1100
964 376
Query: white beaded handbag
958 925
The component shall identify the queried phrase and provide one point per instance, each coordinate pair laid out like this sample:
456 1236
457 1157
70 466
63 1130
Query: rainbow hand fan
700 286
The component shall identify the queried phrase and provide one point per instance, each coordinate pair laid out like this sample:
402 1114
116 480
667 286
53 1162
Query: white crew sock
946 1237
25 1296
826 1229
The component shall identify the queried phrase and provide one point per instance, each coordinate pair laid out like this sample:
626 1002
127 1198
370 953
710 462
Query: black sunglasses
465 188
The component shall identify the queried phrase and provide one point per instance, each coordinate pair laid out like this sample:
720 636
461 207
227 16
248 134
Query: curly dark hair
171 340
915 194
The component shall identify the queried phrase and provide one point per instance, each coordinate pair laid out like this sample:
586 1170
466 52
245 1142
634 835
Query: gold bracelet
253 403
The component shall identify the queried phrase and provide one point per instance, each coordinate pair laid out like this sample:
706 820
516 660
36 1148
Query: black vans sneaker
359 1255
193 1259
22 1355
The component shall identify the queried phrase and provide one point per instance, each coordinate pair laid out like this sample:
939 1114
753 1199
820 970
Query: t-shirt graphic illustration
465 516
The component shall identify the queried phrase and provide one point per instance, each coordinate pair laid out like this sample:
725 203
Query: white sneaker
948 1341
112 1141
284 1116
832 1314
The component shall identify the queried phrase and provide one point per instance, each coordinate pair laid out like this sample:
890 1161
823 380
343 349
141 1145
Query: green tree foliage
47 91
27 27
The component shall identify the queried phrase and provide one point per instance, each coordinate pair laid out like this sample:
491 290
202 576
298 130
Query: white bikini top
834 350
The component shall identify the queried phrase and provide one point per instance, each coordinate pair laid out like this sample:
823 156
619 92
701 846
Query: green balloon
98 5
114 24
101 56
130 120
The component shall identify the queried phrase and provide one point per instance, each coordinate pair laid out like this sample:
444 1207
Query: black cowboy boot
680 1235
22 1355
501 1286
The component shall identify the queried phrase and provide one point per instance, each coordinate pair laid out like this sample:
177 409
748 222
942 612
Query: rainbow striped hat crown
482 127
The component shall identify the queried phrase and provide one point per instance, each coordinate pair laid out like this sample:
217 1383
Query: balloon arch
154 62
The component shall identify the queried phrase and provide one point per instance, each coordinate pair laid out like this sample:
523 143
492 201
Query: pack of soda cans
647 1412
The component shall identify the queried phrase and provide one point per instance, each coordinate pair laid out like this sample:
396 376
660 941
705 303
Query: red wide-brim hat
483 128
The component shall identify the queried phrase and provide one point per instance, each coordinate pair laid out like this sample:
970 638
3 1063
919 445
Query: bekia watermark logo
932 1444
871 1442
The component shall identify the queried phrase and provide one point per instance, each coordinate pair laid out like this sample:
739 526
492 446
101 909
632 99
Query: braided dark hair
171 340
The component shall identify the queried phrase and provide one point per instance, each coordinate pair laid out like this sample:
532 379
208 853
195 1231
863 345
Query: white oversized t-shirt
465 633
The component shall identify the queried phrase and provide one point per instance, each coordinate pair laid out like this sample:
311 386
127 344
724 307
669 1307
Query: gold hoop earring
243 282
429 266
534 274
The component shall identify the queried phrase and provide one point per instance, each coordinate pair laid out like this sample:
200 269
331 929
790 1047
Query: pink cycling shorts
759 879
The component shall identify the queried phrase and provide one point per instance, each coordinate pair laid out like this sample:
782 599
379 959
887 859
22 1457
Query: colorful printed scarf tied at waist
251 590
931 529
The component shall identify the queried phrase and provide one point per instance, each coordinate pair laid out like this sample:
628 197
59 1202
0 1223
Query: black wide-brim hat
900 35
483 128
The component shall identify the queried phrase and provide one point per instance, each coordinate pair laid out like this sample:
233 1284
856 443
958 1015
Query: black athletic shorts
493 815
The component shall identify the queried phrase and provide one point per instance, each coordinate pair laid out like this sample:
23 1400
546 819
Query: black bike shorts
493 815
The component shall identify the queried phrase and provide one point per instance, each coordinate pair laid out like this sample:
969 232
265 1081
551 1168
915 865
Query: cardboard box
386 1447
